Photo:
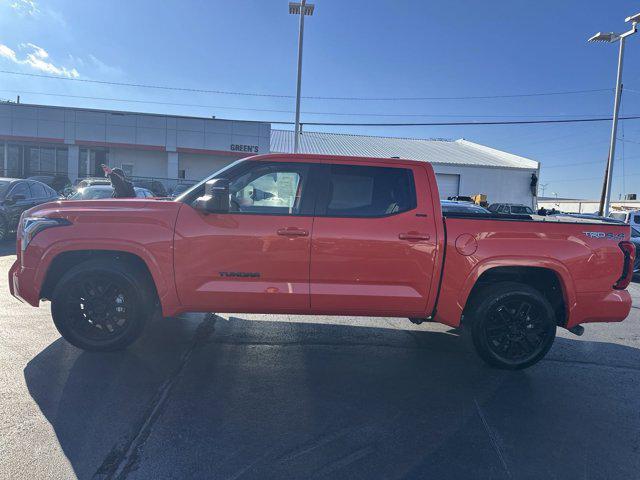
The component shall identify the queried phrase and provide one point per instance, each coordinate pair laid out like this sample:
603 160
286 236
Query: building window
62 161
47 160
127 168
182 174
14 161
34 160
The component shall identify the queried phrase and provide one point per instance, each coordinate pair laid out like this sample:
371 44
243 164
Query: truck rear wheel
102 304
513 325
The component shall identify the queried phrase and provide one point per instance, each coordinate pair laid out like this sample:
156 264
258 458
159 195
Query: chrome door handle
413 236
293 232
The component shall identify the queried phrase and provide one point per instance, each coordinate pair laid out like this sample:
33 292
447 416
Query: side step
577 330
418 321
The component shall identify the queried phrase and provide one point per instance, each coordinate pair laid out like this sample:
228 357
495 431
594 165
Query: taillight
629 252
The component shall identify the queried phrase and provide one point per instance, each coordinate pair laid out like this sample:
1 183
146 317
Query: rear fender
566 280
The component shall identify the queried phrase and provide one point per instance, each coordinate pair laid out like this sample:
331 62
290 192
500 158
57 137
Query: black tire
102 304
4 229
512 325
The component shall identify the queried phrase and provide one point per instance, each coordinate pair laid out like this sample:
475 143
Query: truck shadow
276 400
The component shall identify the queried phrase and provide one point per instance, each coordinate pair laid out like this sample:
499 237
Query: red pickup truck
310 234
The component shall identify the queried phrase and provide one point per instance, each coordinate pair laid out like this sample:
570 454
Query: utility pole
301 8
543 187
612 37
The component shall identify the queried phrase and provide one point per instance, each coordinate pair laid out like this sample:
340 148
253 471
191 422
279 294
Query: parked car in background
180 189
510 209
90 181
58 182
450 207
155 186
96 192
632 217
16 196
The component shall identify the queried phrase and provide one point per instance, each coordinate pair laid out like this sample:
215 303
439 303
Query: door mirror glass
215 198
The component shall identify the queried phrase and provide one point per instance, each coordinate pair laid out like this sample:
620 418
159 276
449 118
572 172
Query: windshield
92 193
212 176
521 209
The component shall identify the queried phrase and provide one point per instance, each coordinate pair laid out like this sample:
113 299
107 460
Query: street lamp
301 8
612 37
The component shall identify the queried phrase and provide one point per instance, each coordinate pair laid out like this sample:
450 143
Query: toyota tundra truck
321 235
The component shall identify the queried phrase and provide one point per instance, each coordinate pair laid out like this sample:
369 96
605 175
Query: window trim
325 176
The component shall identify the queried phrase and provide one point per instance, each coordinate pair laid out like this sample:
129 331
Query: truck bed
585 219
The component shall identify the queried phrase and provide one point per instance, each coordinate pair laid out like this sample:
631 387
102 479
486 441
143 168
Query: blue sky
357 48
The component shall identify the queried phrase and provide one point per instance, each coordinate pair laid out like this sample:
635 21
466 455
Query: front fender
161 270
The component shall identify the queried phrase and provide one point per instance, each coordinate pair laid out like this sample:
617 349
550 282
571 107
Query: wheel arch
66 260
548 276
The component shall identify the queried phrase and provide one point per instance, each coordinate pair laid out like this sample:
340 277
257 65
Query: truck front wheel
102 304
513 325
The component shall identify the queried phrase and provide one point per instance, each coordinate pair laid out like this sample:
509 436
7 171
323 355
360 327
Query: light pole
612 37
301 8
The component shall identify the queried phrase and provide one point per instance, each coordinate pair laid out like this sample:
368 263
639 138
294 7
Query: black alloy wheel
513 325
102 304
97 308
514 329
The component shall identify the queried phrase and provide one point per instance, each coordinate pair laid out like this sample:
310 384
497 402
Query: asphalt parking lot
252 397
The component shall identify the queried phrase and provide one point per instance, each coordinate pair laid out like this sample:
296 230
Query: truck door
256 257
374 240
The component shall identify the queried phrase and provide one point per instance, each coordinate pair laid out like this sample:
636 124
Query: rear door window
21 189
38 190
366 191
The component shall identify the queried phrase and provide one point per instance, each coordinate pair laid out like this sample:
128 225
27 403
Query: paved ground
246 397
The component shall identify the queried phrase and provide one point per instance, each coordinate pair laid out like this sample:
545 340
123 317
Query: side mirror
12 199
215 198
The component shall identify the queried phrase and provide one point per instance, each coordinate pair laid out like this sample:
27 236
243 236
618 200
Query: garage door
448 184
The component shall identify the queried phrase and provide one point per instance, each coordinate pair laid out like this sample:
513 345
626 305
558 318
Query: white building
576 205
37 139
462 167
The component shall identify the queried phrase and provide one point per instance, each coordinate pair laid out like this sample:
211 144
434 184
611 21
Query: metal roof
451 152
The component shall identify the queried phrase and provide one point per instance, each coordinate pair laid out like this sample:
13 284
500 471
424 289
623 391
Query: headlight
31 226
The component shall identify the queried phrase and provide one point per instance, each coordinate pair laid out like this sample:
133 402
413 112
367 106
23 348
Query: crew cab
311 234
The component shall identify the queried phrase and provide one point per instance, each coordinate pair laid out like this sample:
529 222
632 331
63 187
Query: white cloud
26 7
8 53
37 59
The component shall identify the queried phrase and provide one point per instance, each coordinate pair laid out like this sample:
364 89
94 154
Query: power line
354 114
438 124
274 95
545 167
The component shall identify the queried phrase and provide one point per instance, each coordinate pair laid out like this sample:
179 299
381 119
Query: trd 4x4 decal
604 235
